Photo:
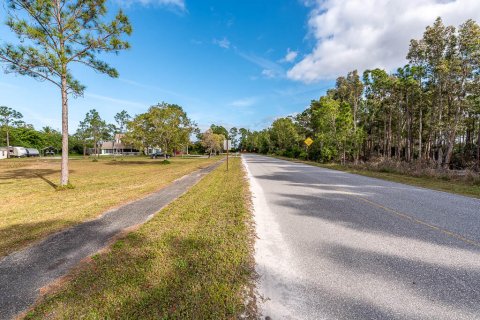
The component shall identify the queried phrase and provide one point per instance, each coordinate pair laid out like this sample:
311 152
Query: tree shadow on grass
30 174
136 162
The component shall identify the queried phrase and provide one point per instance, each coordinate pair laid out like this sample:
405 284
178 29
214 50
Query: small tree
219 130
164 125
55 34
233 135
83 136
283 134
121 118
97 128
212 142
9 117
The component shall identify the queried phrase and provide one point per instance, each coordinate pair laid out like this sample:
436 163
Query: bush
418 169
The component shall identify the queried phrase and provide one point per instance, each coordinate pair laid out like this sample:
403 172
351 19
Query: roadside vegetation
30 208
426 115
465 183
193 260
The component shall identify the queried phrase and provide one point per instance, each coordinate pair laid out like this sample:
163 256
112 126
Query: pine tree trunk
385 138
389 141
8 142
356 149
64 170
420 136
399 138
478 148
408 155
451 139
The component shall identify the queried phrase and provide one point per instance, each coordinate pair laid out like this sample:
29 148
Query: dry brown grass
464 182
31 208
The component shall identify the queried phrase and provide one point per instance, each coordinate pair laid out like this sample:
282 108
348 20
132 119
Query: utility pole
226 146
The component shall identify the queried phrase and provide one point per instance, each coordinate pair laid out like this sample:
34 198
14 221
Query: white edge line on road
273 260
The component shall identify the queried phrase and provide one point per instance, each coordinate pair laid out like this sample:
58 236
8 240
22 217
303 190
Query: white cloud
290 56
222 43
270 69
176 4
269 73
354 34
243 103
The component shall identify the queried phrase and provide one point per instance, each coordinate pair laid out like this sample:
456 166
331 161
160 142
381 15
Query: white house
116 146
3 152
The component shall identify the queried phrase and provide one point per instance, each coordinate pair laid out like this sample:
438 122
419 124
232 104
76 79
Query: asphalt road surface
333 245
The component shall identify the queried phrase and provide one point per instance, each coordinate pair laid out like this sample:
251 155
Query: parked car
158 154
32 152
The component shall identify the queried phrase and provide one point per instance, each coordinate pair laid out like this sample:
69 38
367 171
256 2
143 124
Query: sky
236 63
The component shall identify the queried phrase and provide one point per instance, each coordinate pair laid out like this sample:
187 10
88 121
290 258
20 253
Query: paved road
24 273
333 245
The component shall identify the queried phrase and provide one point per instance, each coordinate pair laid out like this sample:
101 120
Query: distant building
3 152
117 147
49 151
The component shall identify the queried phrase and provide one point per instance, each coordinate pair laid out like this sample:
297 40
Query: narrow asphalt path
334 245
24 273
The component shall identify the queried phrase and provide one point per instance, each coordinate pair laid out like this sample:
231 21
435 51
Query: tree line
426 111
14 131
165 126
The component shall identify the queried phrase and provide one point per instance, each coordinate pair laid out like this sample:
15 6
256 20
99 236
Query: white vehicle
18 152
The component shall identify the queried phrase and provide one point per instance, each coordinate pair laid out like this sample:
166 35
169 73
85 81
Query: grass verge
31 208
436 183
193 260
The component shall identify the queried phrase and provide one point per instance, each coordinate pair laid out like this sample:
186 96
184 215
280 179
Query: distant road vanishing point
334 245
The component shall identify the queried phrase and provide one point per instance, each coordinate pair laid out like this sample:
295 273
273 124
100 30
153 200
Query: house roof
117 144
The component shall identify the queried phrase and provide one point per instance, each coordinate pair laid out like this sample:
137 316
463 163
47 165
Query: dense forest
427 111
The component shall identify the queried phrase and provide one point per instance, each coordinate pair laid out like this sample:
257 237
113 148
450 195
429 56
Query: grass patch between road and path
466 188
193 260
31 208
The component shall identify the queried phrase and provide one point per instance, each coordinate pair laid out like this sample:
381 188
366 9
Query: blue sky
236 63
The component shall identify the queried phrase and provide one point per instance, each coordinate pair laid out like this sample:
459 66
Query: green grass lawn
454 186
193 260
31 208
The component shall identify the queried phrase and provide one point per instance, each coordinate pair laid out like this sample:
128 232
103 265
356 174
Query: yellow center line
418 221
